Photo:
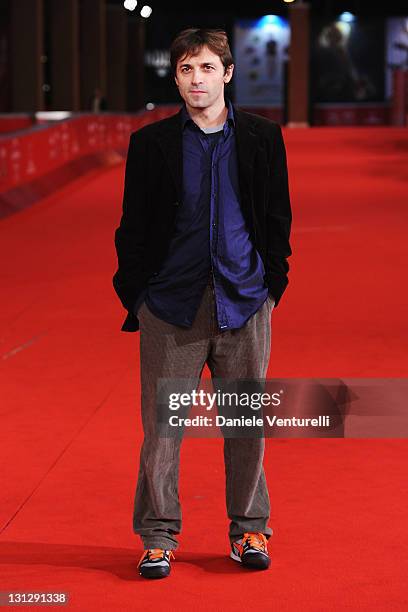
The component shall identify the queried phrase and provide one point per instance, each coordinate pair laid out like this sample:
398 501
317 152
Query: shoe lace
255 540
155 553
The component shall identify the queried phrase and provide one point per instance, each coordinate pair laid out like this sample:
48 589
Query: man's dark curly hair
191 40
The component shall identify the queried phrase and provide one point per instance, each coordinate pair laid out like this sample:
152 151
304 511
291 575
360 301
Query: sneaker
251 551
155 563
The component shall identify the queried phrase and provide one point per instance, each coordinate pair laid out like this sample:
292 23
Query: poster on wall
260 52
348 60
396 49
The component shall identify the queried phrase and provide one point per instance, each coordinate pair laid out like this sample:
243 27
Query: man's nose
196 77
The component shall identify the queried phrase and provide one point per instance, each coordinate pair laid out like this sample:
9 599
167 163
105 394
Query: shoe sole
155 572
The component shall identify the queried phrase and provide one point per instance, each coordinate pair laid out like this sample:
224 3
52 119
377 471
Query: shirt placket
214 236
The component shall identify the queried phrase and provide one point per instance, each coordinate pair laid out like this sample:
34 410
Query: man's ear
176 81
228 73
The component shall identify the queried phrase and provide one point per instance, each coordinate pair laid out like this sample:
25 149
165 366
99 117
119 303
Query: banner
396 49
260 53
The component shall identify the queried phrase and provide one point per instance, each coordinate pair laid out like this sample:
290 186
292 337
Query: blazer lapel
171 143
246 139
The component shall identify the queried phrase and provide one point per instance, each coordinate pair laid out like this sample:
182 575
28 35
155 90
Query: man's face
200 78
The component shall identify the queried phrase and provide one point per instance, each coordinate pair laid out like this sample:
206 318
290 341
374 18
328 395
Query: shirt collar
185 116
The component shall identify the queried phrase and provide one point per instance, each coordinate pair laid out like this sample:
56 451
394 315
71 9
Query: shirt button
214 225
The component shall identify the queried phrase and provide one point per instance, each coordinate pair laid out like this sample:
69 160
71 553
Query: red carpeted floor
70 423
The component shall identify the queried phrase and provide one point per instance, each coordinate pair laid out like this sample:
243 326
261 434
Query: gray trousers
169 351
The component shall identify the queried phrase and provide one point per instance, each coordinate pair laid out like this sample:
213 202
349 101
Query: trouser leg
166 351
240 354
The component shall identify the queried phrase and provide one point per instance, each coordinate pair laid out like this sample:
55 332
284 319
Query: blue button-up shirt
210 238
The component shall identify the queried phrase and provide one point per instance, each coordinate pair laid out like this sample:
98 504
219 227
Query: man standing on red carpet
202 253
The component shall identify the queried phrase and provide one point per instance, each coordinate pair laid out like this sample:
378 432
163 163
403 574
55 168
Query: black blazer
153 193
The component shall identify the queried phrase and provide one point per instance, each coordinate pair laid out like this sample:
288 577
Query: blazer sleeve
279 220
130 236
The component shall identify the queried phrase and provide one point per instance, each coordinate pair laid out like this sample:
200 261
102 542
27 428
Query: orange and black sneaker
155 563
252 551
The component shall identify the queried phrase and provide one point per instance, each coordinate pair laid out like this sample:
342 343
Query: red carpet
71 427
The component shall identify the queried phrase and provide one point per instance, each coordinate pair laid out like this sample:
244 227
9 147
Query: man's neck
209 117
